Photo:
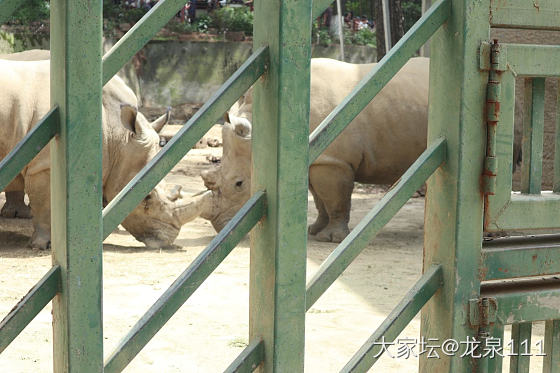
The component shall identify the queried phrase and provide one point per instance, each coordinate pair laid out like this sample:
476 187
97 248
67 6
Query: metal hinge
492 59
482 312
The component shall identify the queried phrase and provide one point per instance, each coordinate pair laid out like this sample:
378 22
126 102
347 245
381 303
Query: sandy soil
211 328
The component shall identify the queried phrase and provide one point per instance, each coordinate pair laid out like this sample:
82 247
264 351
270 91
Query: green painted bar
280 166
138 36
533 132
187 283
529 211
522 301
551 360
76 184
541 14
532 60
319 7
496 330
29 306
249 359
520 333
397 320
28 147
376 79
453 221
512 257
556 185
8 7
133 193
376 219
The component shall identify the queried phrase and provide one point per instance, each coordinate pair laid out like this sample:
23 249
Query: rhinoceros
129 142
376 147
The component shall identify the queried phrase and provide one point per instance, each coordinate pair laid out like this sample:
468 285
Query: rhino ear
226 117
128 117
242 127
158 124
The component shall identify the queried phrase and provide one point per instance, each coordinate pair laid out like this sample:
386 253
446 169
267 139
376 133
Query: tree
396 19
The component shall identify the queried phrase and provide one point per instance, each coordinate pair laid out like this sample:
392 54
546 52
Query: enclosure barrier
279 299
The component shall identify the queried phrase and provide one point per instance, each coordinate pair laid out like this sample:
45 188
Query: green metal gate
466 70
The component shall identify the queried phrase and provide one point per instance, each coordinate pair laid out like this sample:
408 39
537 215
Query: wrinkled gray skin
377 147
129 142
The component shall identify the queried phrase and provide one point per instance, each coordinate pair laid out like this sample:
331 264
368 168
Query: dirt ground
211 328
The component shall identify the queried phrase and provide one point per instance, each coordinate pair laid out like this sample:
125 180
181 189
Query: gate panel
76 187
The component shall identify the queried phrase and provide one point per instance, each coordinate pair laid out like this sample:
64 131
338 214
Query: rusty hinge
493 60
483 312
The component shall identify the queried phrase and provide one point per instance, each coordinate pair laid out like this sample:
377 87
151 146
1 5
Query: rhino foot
15 211
40 241
316 227
332 234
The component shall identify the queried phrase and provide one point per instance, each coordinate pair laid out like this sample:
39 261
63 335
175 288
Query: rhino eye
239 183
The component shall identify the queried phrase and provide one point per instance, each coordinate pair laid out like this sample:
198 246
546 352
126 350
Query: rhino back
389 134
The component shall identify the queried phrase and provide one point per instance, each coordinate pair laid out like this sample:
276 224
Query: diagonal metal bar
397 320
187 283
8 7
376 219
184 140
30 305
377 78
28 147
319 6
249 359
138 36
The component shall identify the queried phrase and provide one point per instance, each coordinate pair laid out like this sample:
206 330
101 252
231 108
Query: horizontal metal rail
8 7
249 359
26 310
507 258
397 320
376 219
377 78
133 193
141 33
28 147
521 301
187 283
543 14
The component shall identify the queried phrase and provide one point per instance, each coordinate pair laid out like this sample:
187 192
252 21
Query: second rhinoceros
376 147
129 142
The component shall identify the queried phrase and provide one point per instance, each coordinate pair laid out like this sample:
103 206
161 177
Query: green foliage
324 38
412 11
233 19
365 37
31 11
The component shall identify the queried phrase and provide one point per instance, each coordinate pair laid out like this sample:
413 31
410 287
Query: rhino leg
322 218
37 187
333 186
15 206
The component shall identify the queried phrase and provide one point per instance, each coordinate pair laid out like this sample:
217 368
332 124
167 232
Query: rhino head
129 143
230 182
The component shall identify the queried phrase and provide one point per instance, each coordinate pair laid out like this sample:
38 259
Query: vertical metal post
280 156
454 203
387 25
340 21
76 184
425 49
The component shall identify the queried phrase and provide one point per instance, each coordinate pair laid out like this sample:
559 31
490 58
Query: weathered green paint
29 306
556 185
520 333
8 7
398 319
187 283
525 300
319 7
520 256
28 147
496 330
249 359
133 193
541 14
529 211
454 203
531 60
533 131
376 219
76 187
138 36
551 360
280 166
376 79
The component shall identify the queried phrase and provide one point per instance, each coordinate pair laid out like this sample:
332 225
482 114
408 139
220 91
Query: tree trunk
379 33
397 21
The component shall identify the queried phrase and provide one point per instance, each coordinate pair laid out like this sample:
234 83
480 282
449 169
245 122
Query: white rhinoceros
377 146
129 142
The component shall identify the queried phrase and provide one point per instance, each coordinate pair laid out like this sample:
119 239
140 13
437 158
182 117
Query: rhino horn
158 124
188 208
